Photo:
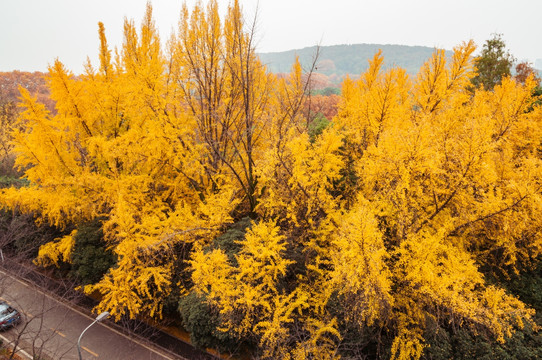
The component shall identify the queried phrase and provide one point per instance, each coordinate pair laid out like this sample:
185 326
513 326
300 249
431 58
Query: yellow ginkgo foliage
121 146
449 179
376 226
248 296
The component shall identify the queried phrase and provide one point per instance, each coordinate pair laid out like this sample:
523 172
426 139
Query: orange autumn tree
379 223
9 92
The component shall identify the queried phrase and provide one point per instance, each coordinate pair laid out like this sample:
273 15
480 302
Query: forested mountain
340 60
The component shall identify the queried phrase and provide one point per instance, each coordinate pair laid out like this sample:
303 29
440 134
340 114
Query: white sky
35 32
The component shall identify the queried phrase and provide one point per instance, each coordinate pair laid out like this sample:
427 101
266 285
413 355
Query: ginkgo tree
377 224
449 178
124 147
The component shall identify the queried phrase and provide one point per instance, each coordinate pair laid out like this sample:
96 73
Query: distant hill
339 60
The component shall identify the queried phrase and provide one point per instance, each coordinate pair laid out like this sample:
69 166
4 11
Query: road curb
86 312
19 350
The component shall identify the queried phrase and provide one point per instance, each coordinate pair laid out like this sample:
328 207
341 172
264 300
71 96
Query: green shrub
463 344
9 181
317 126
90 258
527 286
229 240
201 321
198 317
327 91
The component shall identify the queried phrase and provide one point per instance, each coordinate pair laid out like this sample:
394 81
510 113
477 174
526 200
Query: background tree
10 82
493 63
523 70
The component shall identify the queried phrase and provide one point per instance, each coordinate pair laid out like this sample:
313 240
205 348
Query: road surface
50 329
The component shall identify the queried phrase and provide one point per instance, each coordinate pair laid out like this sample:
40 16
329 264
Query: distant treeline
339 60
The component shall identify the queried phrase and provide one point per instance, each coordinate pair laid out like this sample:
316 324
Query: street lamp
99 318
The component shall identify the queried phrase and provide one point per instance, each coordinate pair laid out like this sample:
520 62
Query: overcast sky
35 32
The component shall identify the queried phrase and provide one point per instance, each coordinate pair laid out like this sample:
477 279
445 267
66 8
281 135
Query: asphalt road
50 329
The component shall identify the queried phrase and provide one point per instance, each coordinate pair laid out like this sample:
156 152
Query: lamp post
98 318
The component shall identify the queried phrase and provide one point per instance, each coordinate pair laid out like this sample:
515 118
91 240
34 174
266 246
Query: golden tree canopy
383 220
